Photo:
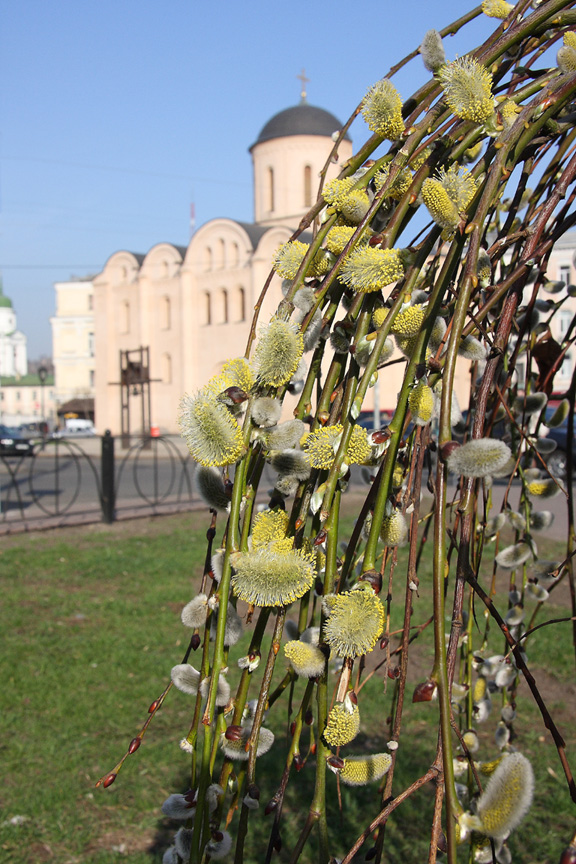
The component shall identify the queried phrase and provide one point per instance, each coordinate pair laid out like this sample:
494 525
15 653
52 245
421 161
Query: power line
115 168
49 266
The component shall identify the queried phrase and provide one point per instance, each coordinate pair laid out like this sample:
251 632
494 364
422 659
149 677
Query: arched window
207 308
125 317
166 313
221 254
224 306
307 186
208 263
166 369
241 304
271 190
235 255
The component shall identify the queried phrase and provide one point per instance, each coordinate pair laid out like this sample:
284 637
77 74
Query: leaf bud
380 436
109 779
195 642
233 733
134 745
568 855
448 448
153 706
254 792
233 395
424 691
271 806
374 578
309 717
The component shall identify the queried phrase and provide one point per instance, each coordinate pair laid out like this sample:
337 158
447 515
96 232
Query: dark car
557 460
366 420
13 443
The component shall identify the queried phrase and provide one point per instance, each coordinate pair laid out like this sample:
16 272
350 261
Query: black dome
301 119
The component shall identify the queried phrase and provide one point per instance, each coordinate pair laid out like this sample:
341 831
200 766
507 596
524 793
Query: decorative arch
241 294
223 317
208 259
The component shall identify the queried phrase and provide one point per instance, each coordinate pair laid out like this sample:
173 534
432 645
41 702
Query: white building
192 308
13 355
73 342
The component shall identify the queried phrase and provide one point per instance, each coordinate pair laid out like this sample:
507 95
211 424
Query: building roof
4 301
255 232
302 119
567 241
26 381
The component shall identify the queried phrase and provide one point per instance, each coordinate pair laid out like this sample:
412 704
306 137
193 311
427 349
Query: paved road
64 482
68 479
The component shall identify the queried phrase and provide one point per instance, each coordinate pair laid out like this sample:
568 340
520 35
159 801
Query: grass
90 631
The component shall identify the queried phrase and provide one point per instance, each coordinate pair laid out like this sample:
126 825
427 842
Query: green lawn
90 624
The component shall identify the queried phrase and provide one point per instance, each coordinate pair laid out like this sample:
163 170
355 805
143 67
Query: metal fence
69 481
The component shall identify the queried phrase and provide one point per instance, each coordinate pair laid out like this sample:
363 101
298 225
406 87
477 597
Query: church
166 321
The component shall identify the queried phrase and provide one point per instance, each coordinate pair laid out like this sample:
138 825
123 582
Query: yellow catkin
338 237
343 724
355 622
496 8
408 322
399 186
382 110
507 796
421 402
479 690
370 268
440 205
269 526
359 771
468 89
394 530
307 660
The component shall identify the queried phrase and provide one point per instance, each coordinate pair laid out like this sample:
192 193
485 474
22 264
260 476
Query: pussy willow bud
568 855
233 733
424 691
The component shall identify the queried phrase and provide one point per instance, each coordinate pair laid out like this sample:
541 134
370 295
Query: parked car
76 428
366 420
34 430
557 460
13 443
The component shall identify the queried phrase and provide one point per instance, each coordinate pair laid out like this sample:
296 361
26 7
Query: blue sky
116 115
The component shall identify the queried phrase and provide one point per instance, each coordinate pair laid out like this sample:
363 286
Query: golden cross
303 79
